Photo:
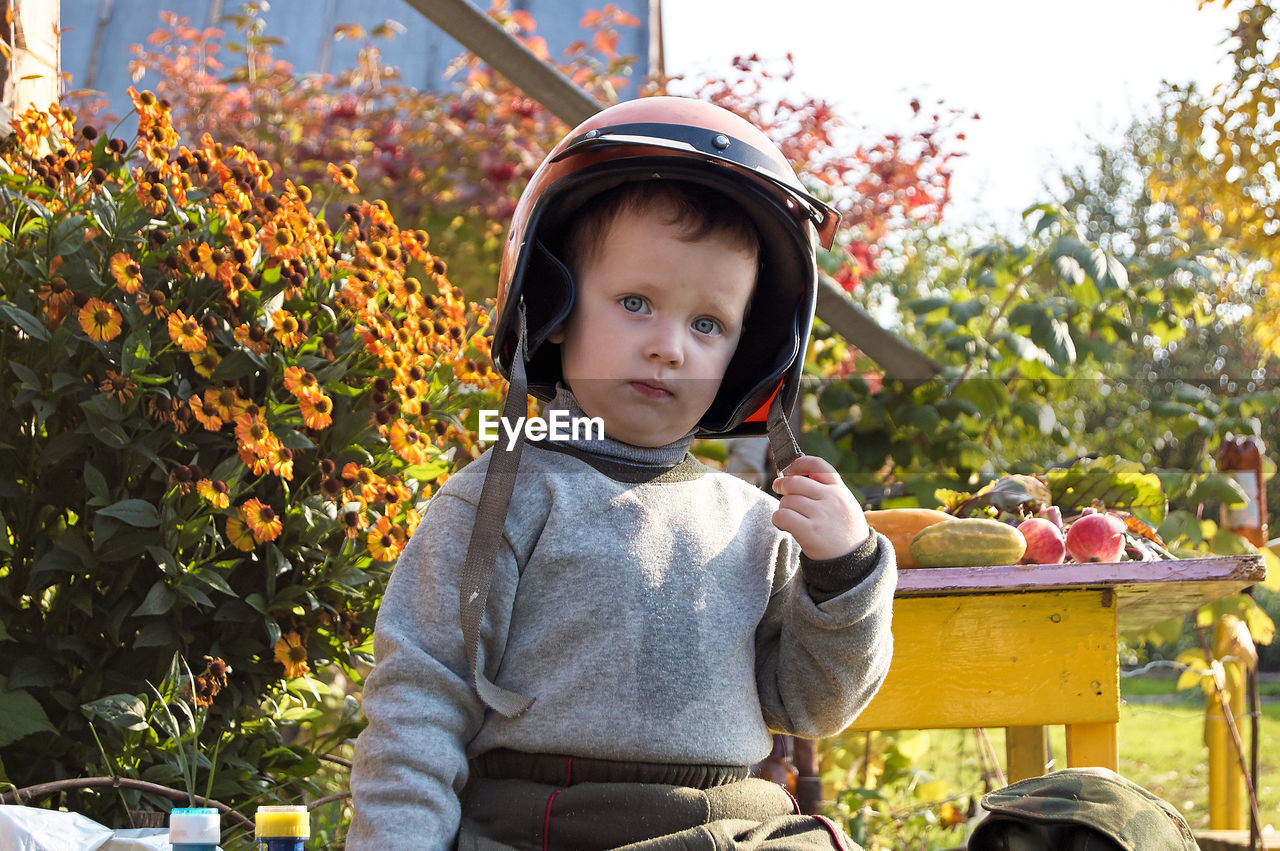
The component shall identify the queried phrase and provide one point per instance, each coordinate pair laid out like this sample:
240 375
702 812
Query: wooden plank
999 661
1147 592
898 358
1093 745
481 35
1025 751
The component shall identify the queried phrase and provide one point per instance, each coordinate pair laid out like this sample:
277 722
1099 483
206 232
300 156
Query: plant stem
28 793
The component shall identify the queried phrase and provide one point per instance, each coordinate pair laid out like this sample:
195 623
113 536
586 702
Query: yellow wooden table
1027 646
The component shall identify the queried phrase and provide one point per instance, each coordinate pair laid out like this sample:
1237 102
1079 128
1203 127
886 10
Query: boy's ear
557 334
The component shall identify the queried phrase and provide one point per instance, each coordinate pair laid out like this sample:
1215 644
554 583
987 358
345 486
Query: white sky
1044 77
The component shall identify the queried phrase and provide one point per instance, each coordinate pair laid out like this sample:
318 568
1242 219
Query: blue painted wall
421 52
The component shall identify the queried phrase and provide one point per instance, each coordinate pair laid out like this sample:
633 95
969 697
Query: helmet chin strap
486 532
786 449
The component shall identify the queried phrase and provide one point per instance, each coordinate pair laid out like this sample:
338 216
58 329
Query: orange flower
253 338
127 272
344 176
408 443
227 402
118 386
370 483
239 535
253 434
214 492
57 298
301 383
292 655
261 520
186 332
206 414
354 520
288 329
383 545
279 460
279 241
100 320
153 302
317 411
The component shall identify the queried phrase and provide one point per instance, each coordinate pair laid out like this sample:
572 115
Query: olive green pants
503 815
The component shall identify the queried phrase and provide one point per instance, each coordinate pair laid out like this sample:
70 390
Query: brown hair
700 213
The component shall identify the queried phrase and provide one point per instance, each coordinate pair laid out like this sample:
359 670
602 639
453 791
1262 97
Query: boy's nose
665 346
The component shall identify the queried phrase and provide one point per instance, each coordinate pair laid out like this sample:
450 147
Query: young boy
606 671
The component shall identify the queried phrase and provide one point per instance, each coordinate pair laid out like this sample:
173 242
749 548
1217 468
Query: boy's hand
818 510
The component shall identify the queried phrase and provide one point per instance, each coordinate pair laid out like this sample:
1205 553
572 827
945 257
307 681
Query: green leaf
1215 487
126 711
135 512
135 351
157 633
159 600
925 306
33 327
20 716
97 484
28 377
67 237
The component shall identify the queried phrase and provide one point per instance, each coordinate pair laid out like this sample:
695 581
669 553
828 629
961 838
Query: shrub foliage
220 416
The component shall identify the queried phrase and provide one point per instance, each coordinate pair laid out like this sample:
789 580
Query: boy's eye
633 303
706 325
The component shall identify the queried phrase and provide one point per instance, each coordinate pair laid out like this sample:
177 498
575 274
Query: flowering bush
453 162
221 416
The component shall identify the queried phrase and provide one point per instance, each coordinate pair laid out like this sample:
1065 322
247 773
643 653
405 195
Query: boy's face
654 325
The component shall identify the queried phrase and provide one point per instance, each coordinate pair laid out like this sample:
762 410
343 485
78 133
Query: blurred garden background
243 314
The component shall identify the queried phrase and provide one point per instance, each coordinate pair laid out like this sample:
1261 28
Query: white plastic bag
35 829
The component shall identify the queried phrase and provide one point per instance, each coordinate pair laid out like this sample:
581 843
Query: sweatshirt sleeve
410 762
821 658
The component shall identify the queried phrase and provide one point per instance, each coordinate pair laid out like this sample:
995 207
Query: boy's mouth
651 389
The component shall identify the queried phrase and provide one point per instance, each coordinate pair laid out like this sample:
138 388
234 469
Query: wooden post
31 72
1227 798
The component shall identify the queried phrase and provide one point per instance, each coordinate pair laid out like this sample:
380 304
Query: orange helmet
695 142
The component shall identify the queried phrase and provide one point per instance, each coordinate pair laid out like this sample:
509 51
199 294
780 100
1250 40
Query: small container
194 829
282 828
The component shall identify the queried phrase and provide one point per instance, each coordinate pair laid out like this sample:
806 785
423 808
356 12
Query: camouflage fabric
1077 809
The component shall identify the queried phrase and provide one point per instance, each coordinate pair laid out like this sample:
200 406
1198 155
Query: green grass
1161 740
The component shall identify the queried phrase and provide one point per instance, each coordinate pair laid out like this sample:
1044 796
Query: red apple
1096 537
1044 541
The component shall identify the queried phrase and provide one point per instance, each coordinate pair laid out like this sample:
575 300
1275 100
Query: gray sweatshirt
653 612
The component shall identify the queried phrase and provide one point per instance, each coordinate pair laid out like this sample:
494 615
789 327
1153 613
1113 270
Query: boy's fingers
813 467
799 486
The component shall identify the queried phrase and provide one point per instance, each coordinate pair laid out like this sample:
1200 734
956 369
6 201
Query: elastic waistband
557 770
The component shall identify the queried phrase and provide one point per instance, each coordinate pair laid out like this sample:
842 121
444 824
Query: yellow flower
206 362
292 655
127 272
289 331
279 459
226 401
186 332
344 176
261 519
239 535
100 320
214 492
